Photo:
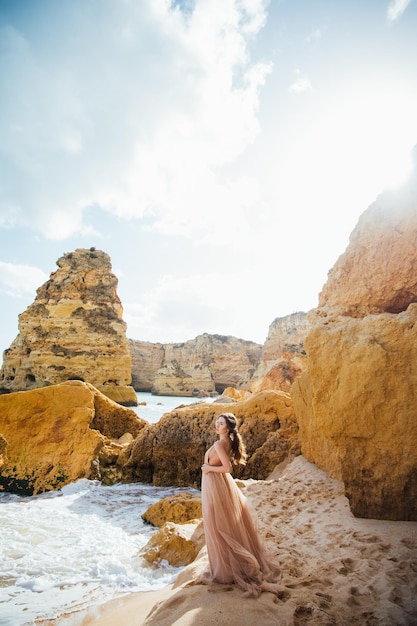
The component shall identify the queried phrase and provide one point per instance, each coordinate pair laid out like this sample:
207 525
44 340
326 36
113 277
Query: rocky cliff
203 366
356 400
147 359
282 356
208 364
73 330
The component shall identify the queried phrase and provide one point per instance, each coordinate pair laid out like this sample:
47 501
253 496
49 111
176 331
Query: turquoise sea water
70 549
156 406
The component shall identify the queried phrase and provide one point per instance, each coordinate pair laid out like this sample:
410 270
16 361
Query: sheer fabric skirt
236 552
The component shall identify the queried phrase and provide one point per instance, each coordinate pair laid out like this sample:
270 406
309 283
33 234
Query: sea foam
70 549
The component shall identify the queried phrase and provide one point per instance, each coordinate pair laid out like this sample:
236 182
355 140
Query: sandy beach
337 569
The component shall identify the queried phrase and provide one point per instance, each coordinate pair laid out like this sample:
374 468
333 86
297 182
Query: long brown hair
238 447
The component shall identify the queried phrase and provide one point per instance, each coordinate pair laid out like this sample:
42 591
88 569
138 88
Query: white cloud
193 140
300 85
166 99
396 8
173 308
225 301
20 280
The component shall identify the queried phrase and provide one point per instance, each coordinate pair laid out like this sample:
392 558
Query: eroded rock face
203 366
171 452
57 434
147 358
3 448
355 402
208 364
378 271
73 330
173 379
361 425
283 356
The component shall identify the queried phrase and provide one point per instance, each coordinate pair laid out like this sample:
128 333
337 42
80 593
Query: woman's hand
205 468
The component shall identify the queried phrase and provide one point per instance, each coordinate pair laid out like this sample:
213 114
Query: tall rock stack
356 400
73 331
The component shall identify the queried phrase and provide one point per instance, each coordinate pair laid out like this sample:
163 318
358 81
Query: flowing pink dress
235 551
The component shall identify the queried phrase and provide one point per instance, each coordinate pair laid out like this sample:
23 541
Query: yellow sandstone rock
180 508
3 448
124 395
210 364
178 544
283 356
356 400
234 394
200 367
73 331
171 451
55 435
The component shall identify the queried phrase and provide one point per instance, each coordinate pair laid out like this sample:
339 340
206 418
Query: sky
220 151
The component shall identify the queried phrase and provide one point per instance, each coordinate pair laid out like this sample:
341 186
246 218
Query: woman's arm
224 459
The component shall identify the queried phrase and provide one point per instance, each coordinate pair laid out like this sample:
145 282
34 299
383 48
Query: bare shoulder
223 445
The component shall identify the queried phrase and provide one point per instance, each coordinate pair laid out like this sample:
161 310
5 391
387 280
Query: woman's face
221 427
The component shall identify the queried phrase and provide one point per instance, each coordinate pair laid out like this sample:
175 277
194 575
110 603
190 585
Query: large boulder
73 330
177 544
181 533
57 434
356 400
179 509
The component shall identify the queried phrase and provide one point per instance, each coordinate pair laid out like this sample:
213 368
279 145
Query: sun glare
338 164
358 147
379 132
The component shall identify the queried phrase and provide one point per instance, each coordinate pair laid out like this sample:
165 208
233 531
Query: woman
235 551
